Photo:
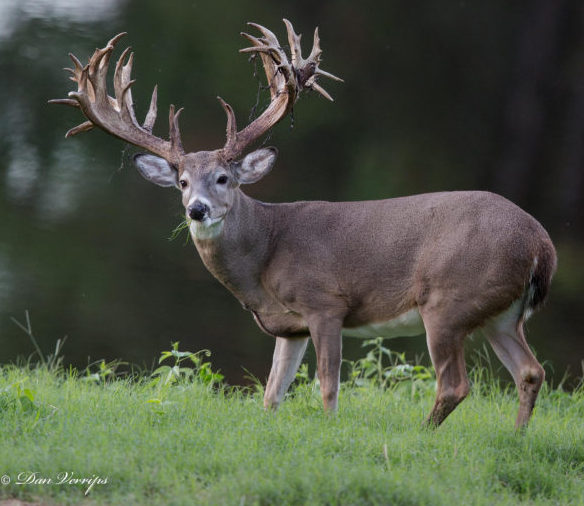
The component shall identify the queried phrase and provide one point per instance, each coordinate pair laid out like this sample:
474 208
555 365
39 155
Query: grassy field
181 437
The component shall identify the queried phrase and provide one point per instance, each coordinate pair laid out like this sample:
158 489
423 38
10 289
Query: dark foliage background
438 95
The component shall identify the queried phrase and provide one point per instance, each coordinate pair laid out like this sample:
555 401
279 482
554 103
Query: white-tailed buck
446 264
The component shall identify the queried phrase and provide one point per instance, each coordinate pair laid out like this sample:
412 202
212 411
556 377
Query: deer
446 264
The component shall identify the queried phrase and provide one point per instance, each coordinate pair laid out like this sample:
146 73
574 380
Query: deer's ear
156 170
255 165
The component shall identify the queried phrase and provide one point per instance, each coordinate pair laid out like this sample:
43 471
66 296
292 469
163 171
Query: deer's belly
293 325
405 325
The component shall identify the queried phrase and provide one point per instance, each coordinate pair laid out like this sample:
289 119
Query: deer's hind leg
447 354
446 347
505 334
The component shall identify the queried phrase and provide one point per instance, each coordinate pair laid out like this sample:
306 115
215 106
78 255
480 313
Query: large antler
286 78
116 115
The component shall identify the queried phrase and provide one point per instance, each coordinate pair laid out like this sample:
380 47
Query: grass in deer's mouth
179 435
183 226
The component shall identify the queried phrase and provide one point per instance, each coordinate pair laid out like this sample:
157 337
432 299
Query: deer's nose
198 210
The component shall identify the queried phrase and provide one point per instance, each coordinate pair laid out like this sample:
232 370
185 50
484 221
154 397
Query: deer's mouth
210 221
208 228
206 221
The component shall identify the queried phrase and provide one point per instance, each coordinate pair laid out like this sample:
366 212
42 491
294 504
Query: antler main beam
115 115
287 77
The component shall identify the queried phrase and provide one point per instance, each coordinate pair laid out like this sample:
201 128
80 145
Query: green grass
182 438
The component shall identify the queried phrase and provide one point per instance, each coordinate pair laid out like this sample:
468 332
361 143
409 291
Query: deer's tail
542 271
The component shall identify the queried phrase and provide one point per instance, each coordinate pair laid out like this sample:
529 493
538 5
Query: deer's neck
236 250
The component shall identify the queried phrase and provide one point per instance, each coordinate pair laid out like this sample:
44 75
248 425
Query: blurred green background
438 95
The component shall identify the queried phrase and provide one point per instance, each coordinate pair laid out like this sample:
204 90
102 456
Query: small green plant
200 370
306 389
302 375
19 396
167 376
105 371
20 399
384 367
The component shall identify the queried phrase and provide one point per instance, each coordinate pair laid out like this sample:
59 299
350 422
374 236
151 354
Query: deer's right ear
156 170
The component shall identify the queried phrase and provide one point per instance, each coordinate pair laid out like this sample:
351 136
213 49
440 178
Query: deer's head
207 179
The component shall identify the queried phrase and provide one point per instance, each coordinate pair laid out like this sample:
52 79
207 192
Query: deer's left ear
255 165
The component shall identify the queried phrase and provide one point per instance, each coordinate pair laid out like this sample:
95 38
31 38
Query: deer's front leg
288 354
326 336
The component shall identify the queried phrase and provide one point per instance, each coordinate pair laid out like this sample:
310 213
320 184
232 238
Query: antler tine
152 111
231 129
118 77
174 131
319 89
116 38
97 70
98 67
324 73
256 49
294 41
83 127
79 73
77 68
268 34
115 115
65 101
127 104
265 47
254 40
122 84
316 50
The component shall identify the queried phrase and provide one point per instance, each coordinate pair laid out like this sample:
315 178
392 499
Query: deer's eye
183 183
222 179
